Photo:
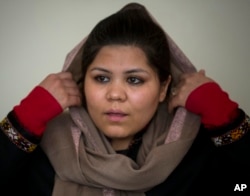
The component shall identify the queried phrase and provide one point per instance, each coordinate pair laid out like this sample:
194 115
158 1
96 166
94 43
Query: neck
121 143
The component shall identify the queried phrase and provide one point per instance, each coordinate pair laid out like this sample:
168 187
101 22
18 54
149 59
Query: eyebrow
100 69
136 70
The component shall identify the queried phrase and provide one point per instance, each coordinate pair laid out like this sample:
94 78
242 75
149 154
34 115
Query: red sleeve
36 110
213 105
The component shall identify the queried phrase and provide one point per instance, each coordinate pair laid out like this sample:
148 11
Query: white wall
36 36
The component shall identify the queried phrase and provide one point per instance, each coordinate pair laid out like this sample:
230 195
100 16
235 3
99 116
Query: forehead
121 56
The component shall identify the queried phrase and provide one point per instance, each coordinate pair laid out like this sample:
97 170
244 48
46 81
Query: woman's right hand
63 88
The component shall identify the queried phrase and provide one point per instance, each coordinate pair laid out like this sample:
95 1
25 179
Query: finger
172 102
62 87
65 75
54 79
69 83
65 99
178 96
70 94
73 101
74 91
202 71
71 87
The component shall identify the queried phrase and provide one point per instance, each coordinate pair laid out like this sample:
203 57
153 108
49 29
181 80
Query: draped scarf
85 162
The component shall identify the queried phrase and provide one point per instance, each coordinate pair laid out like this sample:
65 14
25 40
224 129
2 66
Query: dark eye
102 79
134 80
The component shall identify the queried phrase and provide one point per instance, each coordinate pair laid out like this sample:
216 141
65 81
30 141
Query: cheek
145 99
92 95
144 106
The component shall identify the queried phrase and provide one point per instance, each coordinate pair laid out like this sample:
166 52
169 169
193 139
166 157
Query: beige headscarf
85 162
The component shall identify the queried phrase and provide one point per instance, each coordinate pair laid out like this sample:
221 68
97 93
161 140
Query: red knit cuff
36 110
212 104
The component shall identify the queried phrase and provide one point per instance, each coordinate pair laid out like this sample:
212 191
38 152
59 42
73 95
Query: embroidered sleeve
17 135
234 134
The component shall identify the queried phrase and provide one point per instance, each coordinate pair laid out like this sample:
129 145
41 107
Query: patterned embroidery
233 135
16 137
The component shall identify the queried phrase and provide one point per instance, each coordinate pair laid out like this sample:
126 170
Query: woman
125 132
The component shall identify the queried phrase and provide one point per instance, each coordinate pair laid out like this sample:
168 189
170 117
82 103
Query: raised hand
188 82
63 88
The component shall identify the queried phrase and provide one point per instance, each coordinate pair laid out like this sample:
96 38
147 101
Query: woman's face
122 93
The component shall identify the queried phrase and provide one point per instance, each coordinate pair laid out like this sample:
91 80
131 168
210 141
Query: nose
116 92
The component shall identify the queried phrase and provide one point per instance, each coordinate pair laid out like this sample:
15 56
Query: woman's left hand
188 82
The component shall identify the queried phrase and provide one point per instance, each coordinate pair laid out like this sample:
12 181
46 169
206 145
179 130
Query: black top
205 170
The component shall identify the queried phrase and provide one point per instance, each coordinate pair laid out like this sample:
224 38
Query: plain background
37 35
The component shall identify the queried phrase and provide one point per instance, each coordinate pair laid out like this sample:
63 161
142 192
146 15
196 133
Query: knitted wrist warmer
213 105
36 110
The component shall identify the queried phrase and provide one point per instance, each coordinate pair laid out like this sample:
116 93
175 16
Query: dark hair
132 25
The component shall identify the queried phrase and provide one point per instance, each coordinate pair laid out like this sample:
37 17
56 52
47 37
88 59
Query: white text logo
240 187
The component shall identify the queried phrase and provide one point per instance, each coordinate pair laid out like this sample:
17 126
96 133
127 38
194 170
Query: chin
116 136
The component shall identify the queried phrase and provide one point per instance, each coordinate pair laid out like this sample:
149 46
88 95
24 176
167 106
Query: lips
115 115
